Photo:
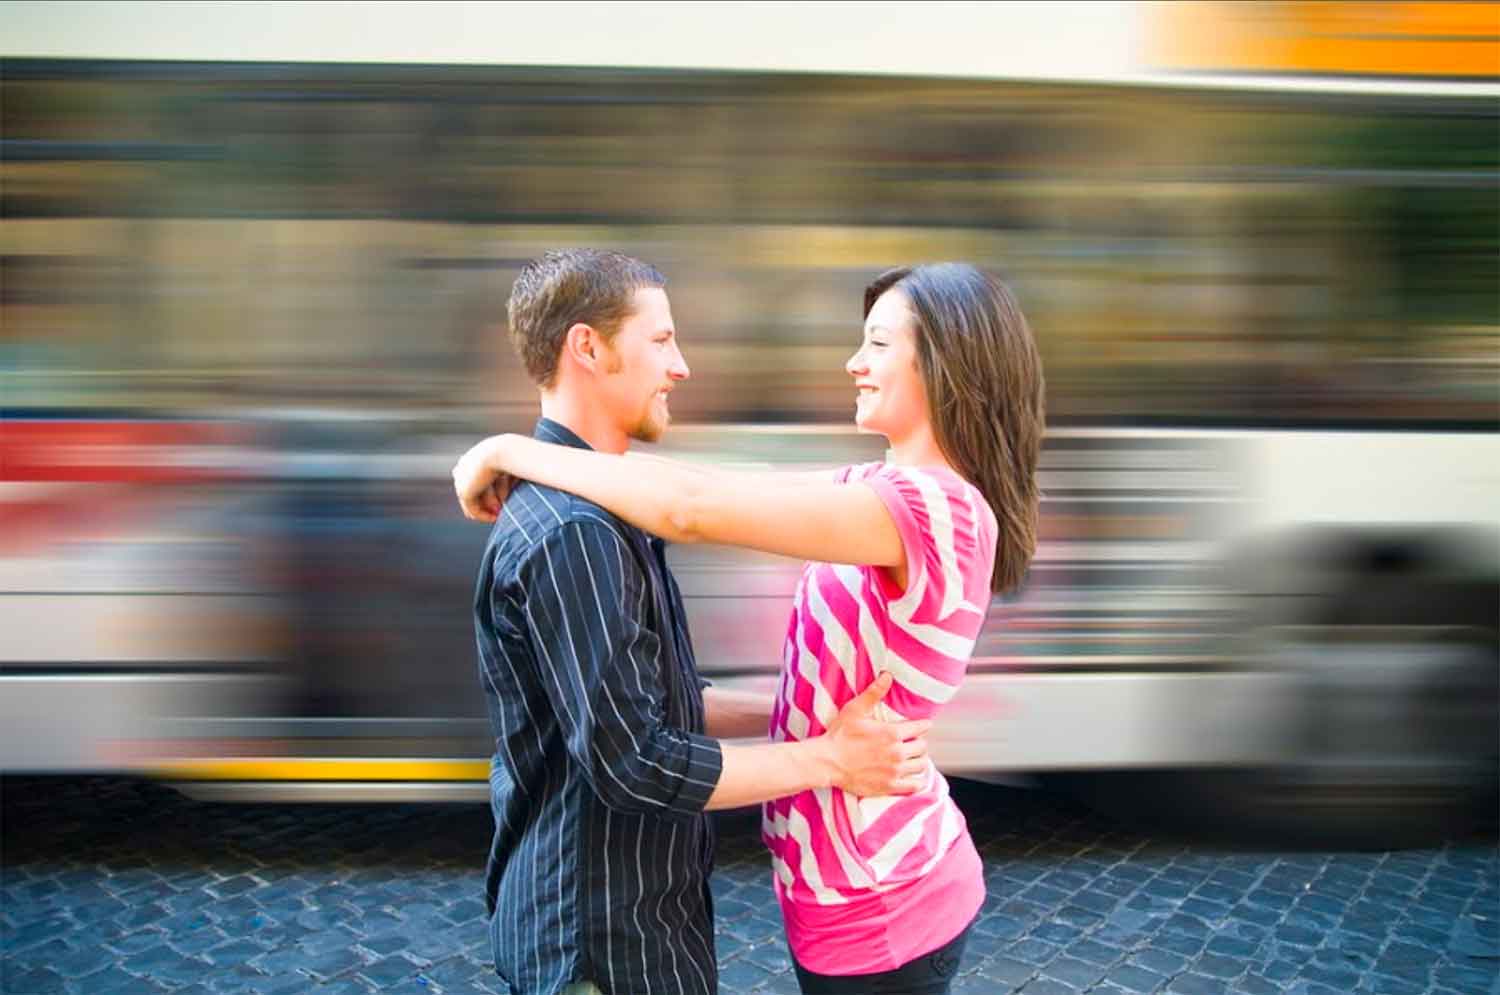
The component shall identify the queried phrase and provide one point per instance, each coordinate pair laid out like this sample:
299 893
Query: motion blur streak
251 312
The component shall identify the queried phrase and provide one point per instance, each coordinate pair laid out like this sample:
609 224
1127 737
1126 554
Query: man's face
642 365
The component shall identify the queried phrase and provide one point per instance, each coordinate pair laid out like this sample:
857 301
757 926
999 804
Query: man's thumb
870 696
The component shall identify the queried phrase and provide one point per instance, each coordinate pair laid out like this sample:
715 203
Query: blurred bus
253 310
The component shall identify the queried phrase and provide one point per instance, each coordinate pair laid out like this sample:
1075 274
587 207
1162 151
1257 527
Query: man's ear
581 346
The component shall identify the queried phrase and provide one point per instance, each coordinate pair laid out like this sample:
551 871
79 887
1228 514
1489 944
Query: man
604 767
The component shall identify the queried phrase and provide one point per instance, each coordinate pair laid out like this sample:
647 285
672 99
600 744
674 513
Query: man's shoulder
536 516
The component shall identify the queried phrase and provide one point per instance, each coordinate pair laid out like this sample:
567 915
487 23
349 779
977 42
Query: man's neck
584 419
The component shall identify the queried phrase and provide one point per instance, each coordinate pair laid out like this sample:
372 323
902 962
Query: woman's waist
953 868
836 839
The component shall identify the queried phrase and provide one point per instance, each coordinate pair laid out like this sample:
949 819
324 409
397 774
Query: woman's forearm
736 714
656 498
808 516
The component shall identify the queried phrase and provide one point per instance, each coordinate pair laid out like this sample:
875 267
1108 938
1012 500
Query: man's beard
650 428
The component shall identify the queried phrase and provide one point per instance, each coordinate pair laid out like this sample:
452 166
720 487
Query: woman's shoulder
928 480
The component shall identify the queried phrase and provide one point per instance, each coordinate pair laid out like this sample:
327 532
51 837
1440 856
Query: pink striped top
867 884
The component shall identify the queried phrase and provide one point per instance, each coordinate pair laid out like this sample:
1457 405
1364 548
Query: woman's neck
917 448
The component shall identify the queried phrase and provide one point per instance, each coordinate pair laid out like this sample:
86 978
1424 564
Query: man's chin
649 431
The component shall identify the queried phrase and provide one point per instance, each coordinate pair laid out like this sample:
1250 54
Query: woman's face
891 398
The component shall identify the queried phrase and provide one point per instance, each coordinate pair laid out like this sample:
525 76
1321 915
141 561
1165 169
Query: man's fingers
912 749
912 728
870 696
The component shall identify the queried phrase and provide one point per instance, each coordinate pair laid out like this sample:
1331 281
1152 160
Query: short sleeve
950 551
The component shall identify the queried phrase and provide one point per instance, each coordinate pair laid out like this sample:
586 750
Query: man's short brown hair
565 287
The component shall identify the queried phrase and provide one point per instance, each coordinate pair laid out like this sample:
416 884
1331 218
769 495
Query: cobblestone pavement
118 886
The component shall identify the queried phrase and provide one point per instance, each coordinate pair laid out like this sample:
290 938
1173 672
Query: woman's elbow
686 516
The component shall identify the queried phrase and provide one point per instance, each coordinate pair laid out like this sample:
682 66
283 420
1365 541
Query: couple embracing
608 750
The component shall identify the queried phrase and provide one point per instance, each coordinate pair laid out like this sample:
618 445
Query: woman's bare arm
812 519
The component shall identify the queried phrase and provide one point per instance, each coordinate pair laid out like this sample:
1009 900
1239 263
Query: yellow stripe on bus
321 769
1373 39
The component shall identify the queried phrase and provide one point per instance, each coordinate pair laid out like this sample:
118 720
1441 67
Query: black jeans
929 974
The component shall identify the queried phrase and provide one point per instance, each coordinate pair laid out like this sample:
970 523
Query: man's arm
584 597
859 754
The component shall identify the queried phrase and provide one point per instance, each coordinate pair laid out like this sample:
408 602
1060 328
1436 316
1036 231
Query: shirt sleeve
942 531
585 596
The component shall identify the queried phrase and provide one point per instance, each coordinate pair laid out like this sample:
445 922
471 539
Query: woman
877 893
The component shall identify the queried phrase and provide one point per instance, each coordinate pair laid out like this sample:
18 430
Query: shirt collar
548 430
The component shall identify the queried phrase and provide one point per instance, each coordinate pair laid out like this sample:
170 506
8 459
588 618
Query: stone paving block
39 980
386 971
162 963
1079 917
328 964
1067 880
1465 977
1184 944
134 986
43 955
1161 961
782 984
346 986
1034 951
1093 951
773 957
1167 891
1219 966
134 942
1203 908
1303 987
1256 914
1281 971
742 975
1080 974
1196 984
233 953
1132 978
997 927
1059 933
1044 896
1006 970
1229 946
84 959
1046 986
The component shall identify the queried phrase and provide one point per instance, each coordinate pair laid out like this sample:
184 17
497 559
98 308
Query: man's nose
679 368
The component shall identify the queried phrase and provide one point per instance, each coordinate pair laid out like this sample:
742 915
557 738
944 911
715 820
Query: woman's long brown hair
983 376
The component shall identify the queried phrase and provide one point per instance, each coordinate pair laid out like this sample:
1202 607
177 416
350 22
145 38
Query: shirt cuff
705 763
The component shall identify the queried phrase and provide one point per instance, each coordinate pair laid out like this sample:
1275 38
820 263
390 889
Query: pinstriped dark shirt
599 866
